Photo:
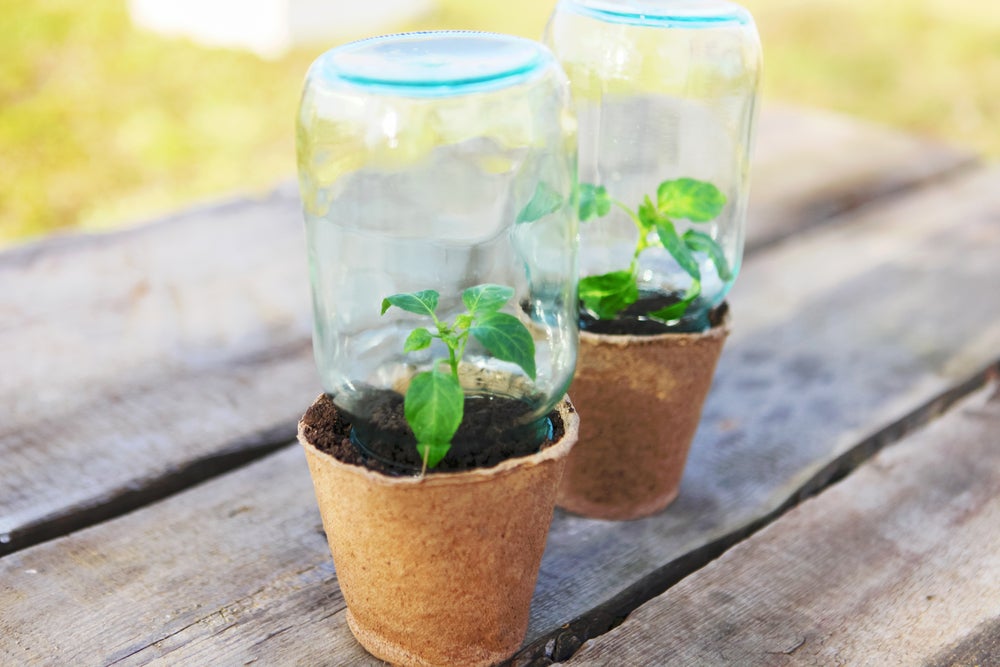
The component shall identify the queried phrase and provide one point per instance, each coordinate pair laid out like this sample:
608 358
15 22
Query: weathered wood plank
894 565
816 363
135 453
245 551
809 167
837 335
140 362
179 294
981 647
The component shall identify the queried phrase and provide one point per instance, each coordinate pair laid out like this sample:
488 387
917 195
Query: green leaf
648 215
544 201
433 452
424 302
507 339
418 339
676 247
594 201
609 293
697 201
677 310
486 297
433 408
702 242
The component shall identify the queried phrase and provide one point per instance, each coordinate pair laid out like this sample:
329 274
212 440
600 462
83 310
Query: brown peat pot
640 400
439 569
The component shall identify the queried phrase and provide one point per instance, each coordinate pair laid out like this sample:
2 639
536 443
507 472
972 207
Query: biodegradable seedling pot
641 400
666 99
438 569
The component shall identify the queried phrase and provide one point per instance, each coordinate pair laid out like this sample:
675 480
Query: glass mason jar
665 93
436 173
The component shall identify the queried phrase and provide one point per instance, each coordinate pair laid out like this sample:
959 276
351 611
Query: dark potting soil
635 322
480 441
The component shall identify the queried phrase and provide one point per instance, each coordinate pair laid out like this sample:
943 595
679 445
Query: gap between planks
820 206
895 565
233 456
229 456
564 642
254 445
936 362
838 208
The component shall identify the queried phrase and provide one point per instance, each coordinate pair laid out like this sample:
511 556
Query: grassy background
102 124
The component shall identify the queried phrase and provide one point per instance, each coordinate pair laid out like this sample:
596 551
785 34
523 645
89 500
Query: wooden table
841 504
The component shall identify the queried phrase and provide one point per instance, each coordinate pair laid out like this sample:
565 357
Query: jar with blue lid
666 95
437 173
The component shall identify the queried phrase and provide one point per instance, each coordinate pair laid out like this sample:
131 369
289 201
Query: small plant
608 294
434 403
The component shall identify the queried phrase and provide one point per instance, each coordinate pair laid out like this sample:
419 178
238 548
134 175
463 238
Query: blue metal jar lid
434 64
663 13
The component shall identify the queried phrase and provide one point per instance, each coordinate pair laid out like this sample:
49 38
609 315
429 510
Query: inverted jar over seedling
436 172
665 93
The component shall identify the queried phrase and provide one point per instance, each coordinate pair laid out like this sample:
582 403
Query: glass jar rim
434 63
657 13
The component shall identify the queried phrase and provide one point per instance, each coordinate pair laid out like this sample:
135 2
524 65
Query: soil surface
634 322
483 440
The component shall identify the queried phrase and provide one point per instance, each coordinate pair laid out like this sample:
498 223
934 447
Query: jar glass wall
664 91
439 162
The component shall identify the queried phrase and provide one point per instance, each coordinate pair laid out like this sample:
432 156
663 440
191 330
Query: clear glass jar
664 91
439 161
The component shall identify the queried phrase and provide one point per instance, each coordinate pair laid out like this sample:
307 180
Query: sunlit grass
928 66
103 124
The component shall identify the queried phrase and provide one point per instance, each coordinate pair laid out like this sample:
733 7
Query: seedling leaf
433 408
648 216
676 311
697 201
434 402
418 339
681 199
676 247
544 201
702 242
424 302
486 297
594 201
507 339
608 294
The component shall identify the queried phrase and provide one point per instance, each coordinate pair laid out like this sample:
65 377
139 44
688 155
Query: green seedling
434 403
608 294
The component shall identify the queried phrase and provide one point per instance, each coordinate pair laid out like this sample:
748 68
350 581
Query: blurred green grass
102 124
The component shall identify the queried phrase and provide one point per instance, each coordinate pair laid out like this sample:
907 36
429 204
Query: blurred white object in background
271 27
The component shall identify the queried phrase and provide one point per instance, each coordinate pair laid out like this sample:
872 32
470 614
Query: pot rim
722 329
557 450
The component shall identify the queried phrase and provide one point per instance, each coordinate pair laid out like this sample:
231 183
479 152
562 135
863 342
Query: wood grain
141 362
184 580
810 167
894 565
847 330
832 342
